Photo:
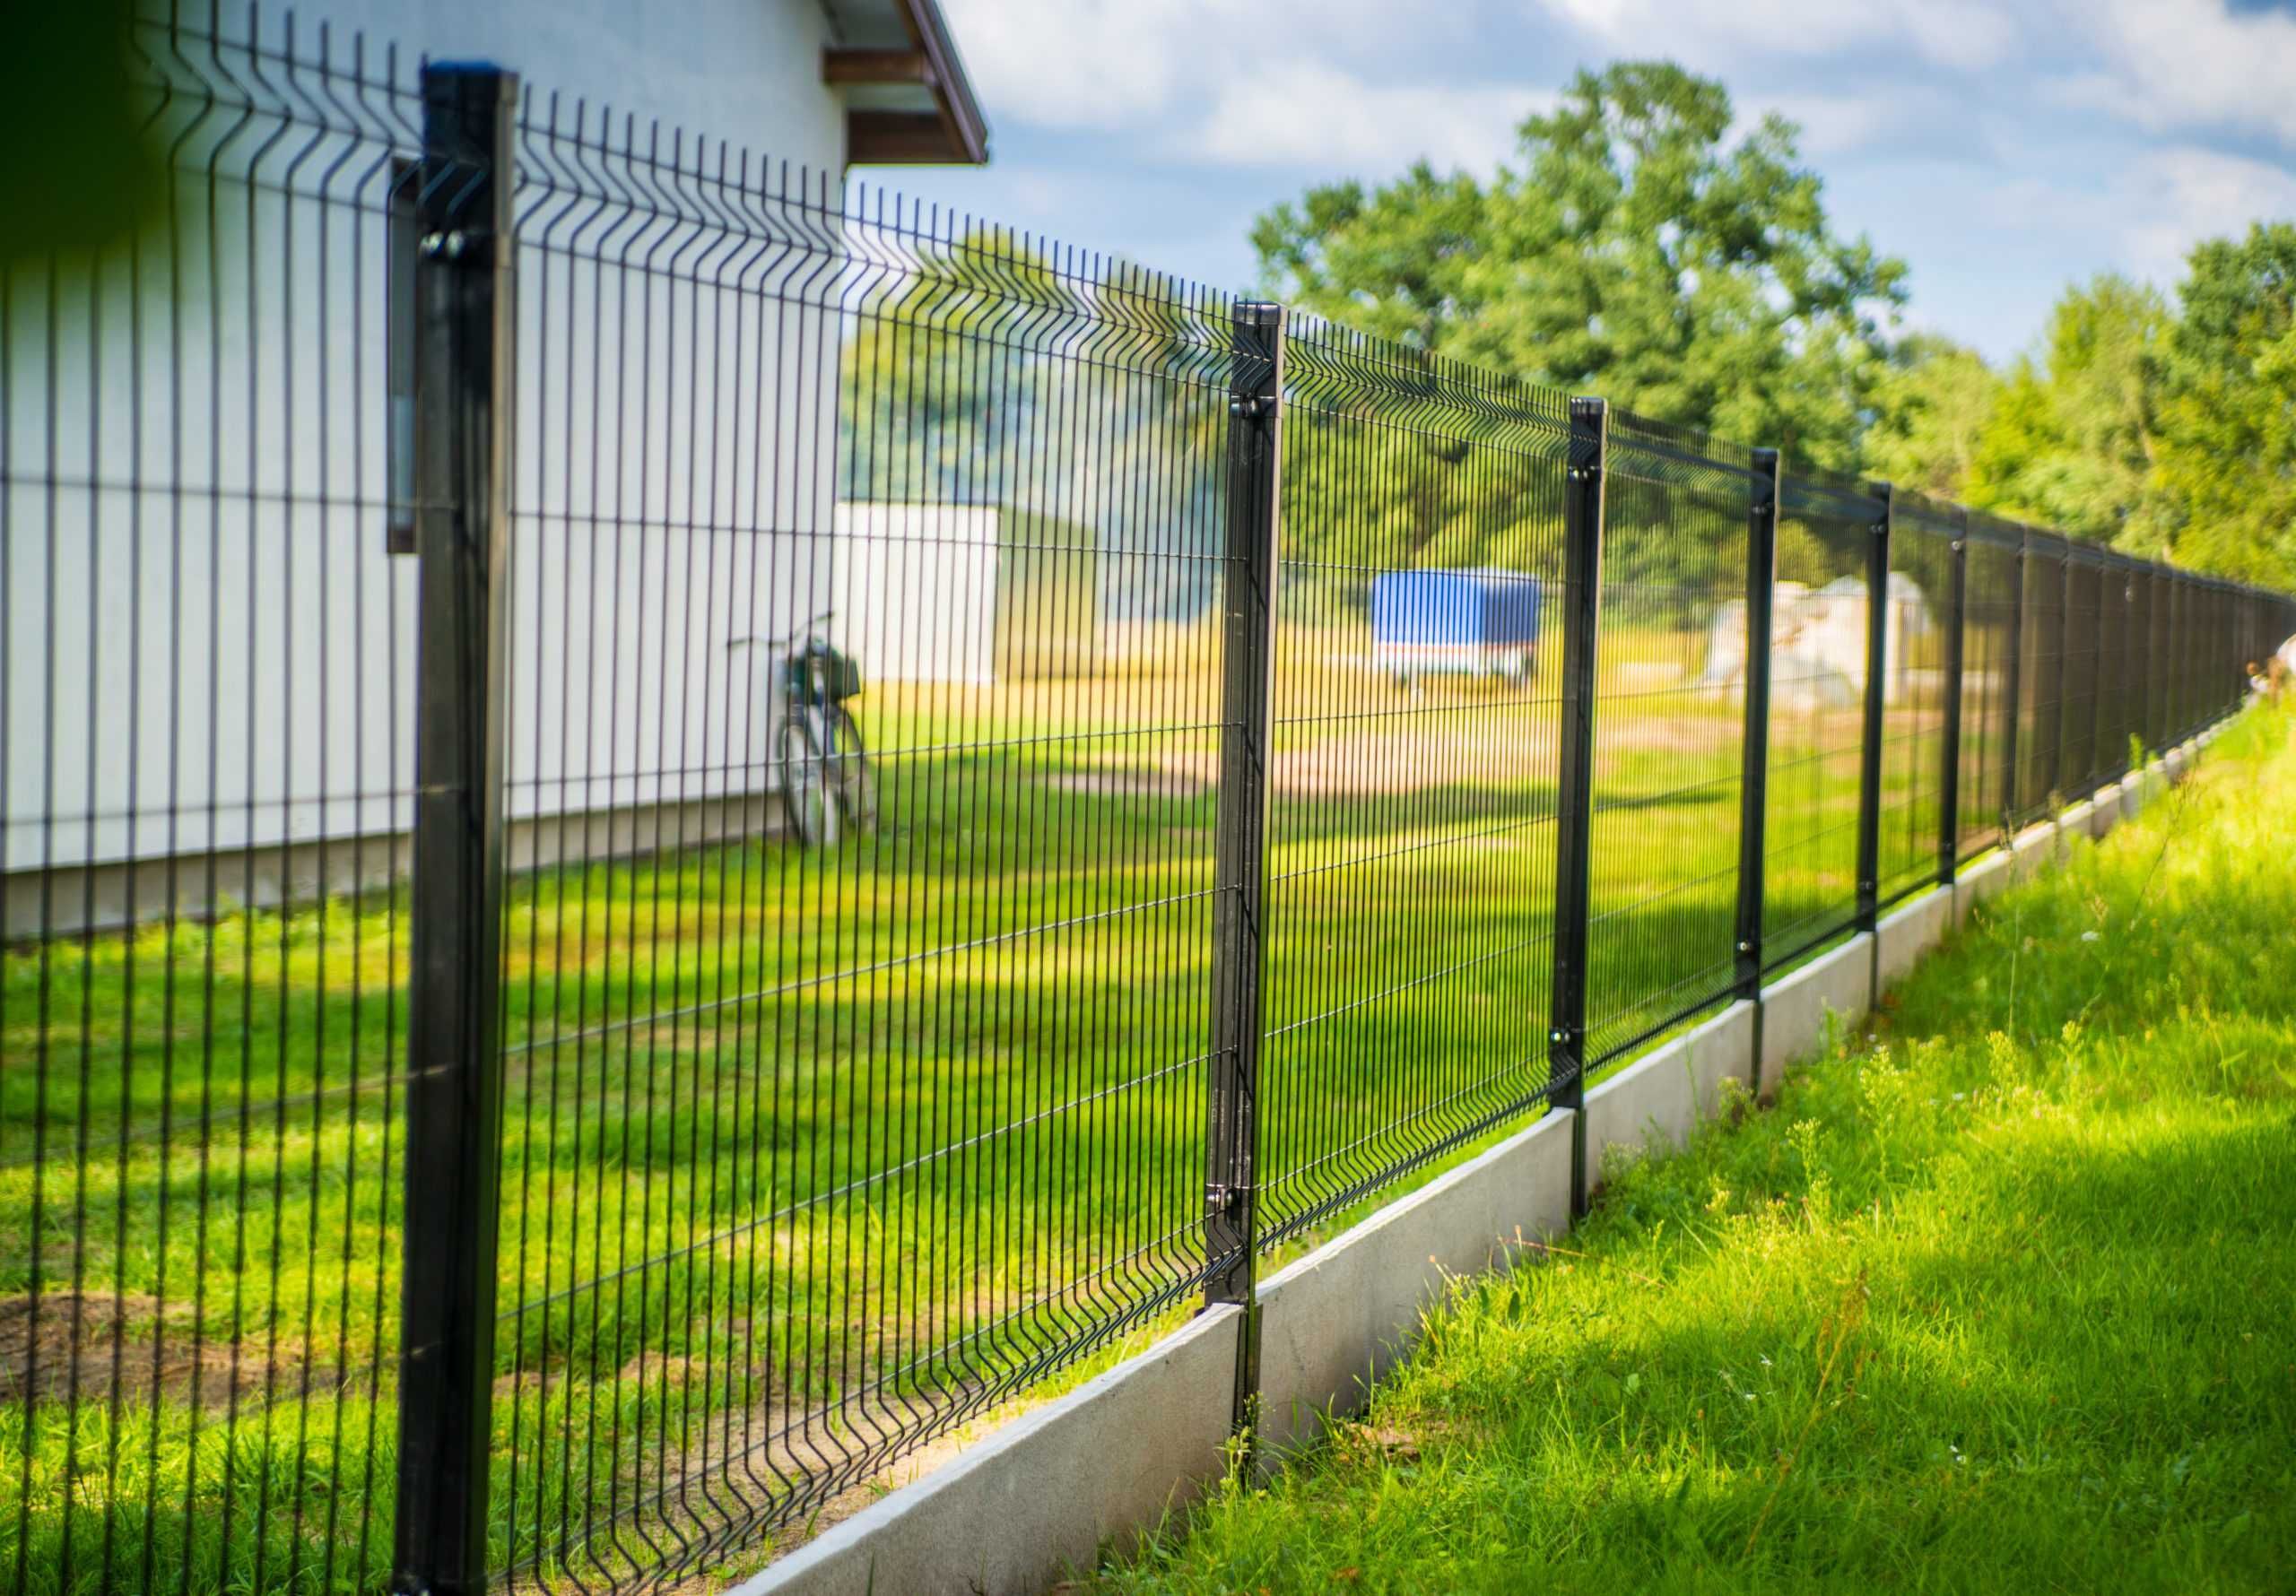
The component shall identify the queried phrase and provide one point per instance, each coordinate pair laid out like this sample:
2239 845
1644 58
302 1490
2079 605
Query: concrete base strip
2077 821
1721 1049
1978 882
1037 1498
1904 936
1335 1321
1794 1009
2036 846
1651 1106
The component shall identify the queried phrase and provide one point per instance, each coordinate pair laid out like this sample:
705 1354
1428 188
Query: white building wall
916 590
746 70
204 644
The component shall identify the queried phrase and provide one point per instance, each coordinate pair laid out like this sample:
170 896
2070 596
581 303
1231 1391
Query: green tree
1931 407
2070 441
2225 474
1635 250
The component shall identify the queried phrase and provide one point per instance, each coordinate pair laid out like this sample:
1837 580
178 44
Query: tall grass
1995 1297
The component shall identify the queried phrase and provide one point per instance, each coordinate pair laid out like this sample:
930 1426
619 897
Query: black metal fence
513 1075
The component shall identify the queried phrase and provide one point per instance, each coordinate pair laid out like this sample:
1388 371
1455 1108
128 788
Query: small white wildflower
2089 936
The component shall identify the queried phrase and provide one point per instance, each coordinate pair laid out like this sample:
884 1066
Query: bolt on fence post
1753 758
1247 653
2011 691
1869 779
1582 608
1949 787
464 327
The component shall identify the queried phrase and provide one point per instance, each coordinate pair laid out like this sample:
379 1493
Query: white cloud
2177 196
2146 216
2188 64
1307 114
1965 35
1089 63
1907 116
1117 63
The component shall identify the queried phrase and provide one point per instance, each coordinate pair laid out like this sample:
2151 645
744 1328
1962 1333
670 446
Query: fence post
2093 777
1869 779
2061 591
1247 605
1949 787
463 322
1582 608
1754 759
2014 689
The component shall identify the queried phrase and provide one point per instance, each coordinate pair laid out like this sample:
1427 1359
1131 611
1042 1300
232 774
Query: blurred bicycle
827 784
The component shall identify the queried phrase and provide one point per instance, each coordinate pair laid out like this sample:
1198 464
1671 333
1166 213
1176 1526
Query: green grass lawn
805 1150
1995 1297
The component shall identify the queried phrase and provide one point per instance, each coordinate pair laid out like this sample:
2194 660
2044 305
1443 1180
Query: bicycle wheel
851 778
804 781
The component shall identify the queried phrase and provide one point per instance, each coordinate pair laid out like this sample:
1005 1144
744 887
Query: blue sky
2001 149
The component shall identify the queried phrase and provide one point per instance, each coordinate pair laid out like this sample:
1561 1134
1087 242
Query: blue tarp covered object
1495 608
1482 620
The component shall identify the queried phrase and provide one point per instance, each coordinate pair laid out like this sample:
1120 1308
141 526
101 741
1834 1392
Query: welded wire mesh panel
1413 773
2152 597
1917 617
2176 642
1817 719
2197 649
1669 731
2041 676
204 653
2116 633
864 729
2193 664
2082 693
2137 658
1989 606
2161 690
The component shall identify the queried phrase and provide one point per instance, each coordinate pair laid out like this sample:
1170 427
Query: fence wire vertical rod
1869 778
1582 602
464 311
1247 605
1754 759
1949 793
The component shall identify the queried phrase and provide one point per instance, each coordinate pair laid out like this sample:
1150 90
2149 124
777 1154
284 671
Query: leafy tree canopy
2225 475
2072 440
1635 249
1931 407
2167 430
